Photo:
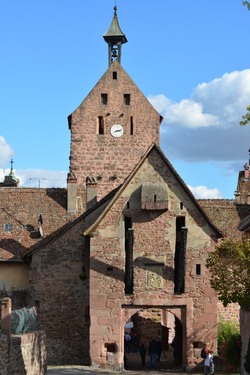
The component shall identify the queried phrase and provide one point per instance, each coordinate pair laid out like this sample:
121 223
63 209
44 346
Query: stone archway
164 323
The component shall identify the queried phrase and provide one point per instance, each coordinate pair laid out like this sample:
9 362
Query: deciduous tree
230 271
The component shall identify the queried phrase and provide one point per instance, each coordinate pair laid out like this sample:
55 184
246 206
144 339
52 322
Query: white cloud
5 152
206 126
221 102
202 192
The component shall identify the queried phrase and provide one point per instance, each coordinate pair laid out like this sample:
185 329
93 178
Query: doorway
160 324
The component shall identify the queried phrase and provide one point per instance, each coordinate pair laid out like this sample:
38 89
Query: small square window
7 227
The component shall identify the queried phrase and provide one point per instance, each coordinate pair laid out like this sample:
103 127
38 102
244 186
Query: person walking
152 351
143 352
159 349
209 362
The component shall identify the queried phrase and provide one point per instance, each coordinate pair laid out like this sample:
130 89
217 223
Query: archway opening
161 325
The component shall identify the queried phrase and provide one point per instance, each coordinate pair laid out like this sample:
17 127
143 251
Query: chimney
6 315
246 171
71 193
91 185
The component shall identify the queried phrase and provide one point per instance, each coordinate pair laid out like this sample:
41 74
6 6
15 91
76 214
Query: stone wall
28 354
4 357
231 313
23 354
59 284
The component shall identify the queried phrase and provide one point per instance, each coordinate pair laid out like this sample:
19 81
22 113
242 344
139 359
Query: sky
191 60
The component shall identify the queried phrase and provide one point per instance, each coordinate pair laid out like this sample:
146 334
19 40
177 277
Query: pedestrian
159 349
153 351
143 352
209 362
127 342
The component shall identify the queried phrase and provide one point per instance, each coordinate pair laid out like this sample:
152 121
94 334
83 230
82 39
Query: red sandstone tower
110 130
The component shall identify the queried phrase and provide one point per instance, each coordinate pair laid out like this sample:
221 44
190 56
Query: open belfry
124 247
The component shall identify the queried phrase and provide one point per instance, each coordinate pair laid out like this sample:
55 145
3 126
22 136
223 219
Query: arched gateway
164 324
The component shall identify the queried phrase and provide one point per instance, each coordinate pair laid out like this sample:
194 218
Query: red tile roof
226 214
20 208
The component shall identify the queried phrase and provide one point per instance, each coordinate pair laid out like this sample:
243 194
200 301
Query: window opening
104 99
127 99
129 237
180 255
181 205
198 269
8 227
131 125
114 75
100 125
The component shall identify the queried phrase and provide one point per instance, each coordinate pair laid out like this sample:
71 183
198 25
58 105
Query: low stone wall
27 354
4 357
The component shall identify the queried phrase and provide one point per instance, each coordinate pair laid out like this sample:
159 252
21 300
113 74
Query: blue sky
190 58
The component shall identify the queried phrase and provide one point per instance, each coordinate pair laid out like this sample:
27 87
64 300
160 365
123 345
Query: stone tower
110 130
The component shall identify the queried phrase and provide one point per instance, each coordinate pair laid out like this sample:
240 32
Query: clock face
116 130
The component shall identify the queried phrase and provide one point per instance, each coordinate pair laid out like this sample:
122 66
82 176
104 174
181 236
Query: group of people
154 352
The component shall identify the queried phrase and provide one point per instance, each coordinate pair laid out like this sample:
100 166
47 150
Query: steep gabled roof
103 81
154 146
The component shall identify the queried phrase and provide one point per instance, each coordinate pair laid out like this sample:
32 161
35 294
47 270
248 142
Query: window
127 99
104 99
100 125
114 75
129 268
131 125
7 227
180 255
198 269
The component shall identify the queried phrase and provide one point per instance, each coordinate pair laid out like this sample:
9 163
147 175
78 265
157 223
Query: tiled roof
226 214
19 209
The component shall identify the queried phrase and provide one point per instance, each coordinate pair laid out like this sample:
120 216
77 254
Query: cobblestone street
82 370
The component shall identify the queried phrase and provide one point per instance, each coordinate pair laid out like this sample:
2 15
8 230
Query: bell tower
110 130
115 38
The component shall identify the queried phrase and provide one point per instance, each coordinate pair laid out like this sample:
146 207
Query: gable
155 176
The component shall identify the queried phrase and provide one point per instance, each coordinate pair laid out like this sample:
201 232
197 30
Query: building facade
127 242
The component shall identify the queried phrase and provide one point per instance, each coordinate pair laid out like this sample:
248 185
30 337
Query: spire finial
115 38
11 165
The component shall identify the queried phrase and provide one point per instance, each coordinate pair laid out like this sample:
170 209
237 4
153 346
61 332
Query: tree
229 265
246 117
247 4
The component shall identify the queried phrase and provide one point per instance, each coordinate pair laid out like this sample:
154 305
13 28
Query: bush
229 344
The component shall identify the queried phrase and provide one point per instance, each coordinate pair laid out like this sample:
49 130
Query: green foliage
229 343
247 4
229 266
246 118
247 359
227 330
